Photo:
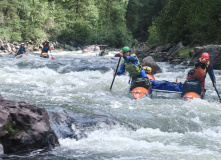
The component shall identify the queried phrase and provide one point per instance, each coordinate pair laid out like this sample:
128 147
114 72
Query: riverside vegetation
115 23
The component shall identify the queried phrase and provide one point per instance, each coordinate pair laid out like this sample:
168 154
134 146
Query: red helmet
205 55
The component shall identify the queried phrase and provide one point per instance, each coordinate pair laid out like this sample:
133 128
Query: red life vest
200 73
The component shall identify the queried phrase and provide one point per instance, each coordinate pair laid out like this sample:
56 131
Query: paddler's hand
214 85
203 60
114 75
121 54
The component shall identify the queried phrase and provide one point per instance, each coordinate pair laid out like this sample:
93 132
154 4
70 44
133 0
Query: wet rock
104 53
162 48
91 48
24 127
149 61
67 124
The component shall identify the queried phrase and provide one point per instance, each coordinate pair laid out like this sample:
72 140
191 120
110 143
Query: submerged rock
103 53
67 124
24 127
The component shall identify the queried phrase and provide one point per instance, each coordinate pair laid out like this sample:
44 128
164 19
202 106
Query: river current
161 127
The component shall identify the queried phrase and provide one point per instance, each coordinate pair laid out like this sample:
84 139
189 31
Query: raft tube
150 76
44 55
139 92
191 95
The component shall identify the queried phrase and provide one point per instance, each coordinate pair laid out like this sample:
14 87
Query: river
161 127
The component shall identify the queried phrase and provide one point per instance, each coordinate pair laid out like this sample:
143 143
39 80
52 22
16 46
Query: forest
112 22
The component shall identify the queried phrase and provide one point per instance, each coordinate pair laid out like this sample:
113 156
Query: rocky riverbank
174 53
12 47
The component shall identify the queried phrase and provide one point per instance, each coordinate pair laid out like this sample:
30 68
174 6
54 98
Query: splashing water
164 127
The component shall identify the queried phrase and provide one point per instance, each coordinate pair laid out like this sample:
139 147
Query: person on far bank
131 64
201 67
21 50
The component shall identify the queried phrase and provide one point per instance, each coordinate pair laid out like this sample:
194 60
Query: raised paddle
115 73
218 95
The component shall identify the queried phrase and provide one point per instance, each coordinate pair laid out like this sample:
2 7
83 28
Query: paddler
21 50
147 69
131 64
201 67
46 48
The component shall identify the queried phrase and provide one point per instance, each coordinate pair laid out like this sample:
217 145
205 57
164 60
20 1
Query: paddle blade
52 58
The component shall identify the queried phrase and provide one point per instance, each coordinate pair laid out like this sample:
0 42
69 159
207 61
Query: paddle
218 95
115 73
52 57
216 91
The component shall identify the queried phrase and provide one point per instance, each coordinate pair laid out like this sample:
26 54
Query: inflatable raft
44 55
141 86
189 90
192 89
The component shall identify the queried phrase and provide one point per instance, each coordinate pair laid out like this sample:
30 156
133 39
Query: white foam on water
165 126
144 142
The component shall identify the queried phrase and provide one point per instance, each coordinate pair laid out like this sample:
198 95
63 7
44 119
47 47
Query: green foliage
189 21
154 37
140 14
15 36
14 128
185 53
113 22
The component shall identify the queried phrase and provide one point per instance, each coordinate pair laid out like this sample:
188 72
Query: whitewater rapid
161 127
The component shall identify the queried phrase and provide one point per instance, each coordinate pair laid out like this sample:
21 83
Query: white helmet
22 43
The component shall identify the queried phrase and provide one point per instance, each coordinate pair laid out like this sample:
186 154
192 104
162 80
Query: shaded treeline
192 22
79 22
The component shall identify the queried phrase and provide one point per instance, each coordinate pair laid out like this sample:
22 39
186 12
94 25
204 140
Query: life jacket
132 69
21 50
46 48
200 73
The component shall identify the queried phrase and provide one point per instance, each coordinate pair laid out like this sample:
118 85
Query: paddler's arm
131 59
121 70
197 63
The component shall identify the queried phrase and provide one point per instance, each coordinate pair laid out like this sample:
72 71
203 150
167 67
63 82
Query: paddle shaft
115 73
218 94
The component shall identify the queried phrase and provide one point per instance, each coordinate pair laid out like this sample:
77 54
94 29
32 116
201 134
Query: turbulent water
161 127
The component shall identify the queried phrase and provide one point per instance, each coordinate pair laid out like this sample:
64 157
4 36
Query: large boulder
149 61
24 127
213 50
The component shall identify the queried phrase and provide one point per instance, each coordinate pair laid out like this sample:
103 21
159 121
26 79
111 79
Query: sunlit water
161 127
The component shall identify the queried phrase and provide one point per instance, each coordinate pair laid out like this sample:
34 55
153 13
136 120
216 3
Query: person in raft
147 69
131 64
46 48
201 67
21 50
